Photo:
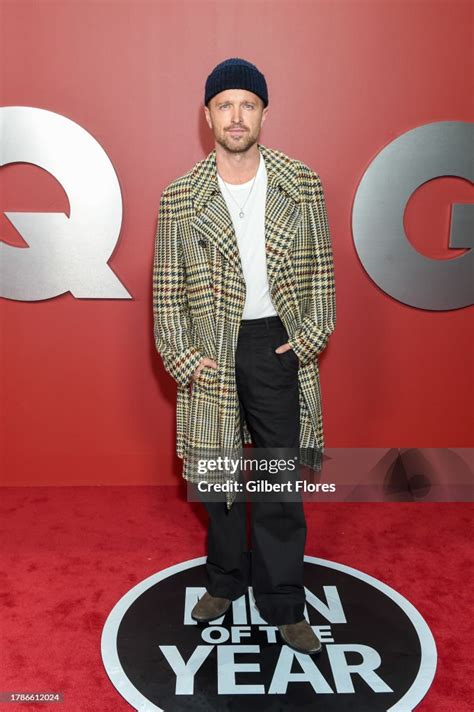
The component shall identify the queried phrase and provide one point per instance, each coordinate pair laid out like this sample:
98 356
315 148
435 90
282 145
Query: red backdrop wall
85 398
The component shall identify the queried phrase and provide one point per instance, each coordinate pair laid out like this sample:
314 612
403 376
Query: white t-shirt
250 234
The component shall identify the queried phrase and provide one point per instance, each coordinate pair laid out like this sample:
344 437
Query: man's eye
247 106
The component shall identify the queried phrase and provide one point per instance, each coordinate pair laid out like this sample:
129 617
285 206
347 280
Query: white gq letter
64 253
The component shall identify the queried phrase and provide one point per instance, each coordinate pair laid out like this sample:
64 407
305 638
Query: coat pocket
207 380
203 423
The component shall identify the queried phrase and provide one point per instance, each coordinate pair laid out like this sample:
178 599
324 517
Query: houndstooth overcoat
199 294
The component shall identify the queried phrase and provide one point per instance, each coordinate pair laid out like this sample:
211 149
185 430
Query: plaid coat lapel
282 212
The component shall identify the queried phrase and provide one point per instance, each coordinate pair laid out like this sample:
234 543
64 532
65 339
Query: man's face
236 117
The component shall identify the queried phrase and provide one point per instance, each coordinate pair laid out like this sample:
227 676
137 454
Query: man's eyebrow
244 101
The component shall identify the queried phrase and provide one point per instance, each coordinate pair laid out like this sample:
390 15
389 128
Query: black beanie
236 73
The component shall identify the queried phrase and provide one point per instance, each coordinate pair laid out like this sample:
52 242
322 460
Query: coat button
202 242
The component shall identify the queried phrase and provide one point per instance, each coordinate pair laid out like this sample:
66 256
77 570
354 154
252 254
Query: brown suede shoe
208 608
301 637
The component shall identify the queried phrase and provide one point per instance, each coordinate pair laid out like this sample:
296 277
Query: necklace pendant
241 214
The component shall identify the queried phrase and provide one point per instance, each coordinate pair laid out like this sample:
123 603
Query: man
244 301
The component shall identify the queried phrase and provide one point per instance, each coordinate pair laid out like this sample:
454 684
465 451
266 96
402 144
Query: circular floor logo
378 653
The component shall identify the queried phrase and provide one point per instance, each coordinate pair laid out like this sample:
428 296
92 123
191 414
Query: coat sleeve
319 321
170 307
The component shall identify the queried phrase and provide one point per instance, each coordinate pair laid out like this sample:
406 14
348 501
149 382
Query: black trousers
267 385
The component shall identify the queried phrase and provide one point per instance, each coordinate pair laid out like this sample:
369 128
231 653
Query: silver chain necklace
241 208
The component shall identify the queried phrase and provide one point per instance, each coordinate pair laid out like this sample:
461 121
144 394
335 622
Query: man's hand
202 364
284 347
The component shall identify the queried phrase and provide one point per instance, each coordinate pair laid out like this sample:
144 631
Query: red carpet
69 553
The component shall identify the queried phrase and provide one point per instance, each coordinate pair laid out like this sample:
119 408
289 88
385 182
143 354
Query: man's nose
236 116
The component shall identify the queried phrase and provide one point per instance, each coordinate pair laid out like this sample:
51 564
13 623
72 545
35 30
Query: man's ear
207 115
